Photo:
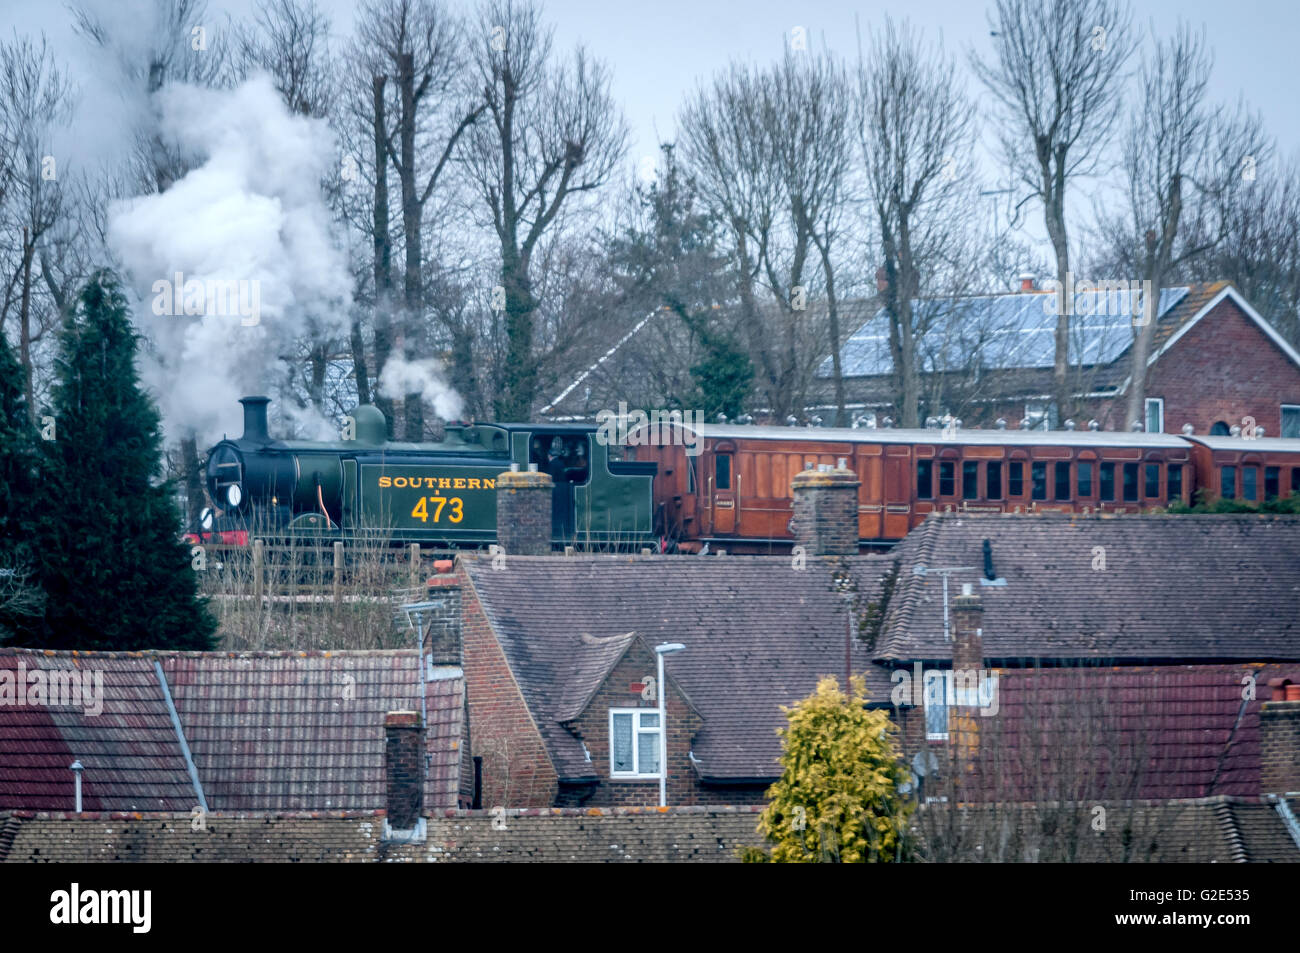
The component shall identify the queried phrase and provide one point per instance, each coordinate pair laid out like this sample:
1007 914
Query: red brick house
1215 360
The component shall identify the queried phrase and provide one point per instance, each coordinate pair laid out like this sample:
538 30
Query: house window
1228 482
634 743
1038 472
1295 479
722 471
1085 480
970 480
1108 483
1272 482
1249 483
947 478
1130 482
1175 481
1016 478
925 479
936 706
1155 415
1062 481
994 480
1039 417
1152 489
1291 420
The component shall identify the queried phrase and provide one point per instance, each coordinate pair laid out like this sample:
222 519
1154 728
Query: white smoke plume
424 377
249 218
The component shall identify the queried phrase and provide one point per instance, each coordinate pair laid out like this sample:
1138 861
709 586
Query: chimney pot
1026 281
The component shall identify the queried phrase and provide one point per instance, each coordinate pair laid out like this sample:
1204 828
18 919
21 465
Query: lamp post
665 648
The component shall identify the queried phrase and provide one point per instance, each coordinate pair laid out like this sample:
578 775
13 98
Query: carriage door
722 488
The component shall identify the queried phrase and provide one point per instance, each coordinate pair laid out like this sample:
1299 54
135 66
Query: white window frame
1041 415
1281 430
1146 414
637 730
981 695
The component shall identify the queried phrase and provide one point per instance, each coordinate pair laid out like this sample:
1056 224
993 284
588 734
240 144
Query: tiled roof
1178 588
758 635
268 731
1104 733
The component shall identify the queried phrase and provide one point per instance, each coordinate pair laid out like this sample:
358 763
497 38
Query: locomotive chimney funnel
255 418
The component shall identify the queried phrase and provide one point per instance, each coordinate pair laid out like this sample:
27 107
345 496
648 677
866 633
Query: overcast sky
660 50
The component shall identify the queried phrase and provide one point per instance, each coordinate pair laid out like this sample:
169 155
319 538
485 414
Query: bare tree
1183 162
1057 74
914 130
35 99
771 153
554 135
416 46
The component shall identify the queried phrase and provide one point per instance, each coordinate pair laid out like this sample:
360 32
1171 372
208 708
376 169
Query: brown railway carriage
1248 470
735 492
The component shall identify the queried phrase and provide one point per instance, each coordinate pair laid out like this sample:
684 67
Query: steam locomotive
441 493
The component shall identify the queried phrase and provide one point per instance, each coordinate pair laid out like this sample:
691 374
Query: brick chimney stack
443 625
524 513
826 511
403 769
1279 739
967 630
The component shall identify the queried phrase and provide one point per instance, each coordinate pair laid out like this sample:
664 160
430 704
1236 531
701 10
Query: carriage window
1038 474
722 471
925 479
1152 489
1108 482
1130 482
994 477
690 474
1016 478
562 455
947 478
1062 481
1249 483
1085 480
1175 481
970 480
1272 482
1228 482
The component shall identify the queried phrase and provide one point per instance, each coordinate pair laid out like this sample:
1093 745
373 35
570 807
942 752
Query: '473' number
454 515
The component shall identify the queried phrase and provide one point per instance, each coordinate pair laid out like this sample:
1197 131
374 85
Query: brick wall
517 771
1223 369
556 836
593 728
1279 747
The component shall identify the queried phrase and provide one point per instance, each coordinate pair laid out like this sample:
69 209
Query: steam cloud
252 212
401 377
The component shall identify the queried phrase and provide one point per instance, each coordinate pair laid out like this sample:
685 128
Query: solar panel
1004 331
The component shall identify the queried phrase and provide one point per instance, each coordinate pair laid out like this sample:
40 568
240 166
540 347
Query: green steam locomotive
441 493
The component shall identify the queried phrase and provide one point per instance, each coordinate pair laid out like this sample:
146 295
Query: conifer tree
111 562
837 800
21 600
